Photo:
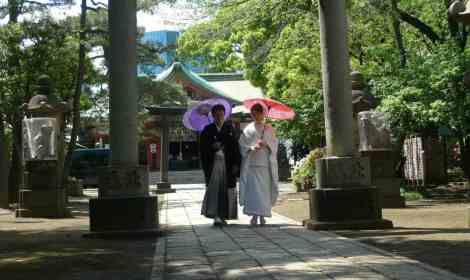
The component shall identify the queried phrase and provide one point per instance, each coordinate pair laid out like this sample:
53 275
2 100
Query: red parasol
275 109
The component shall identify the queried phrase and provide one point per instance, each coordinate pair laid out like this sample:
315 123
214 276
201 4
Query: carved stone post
343 198
124 205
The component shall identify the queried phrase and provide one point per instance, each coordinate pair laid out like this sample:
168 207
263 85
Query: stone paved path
193 249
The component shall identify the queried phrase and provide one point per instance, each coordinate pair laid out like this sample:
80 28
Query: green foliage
276 44
429 93
32 49
153 92
303 174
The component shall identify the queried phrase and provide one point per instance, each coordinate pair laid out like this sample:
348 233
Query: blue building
165 38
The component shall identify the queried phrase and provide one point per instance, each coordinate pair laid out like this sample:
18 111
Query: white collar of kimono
219 127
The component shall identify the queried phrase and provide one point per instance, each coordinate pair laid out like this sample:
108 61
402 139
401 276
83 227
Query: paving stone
200 272
173 265
196 258
243 273
194 249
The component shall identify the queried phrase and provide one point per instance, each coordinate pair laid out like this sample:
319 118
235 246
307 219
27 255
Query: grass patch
412 195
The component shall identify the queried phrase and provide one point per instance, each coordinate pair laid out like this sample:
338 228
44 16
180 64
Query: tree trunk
397 33
3 165
76 96
16 168
14 10
465 155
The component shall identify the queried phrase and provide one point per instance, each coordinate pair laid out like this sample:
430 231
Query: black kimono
221 169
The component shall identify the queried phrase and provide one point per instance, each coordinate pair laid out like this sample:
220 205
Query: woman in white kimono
259 173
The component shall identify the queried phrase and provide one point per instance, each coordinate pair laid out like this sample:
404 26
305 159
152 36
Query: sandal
254 221
262 221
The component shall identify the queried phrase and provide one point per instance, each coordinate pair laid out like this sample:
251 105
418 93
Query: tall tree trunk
397 33
16 168
76 95
3 163
464 143
14 10
15 177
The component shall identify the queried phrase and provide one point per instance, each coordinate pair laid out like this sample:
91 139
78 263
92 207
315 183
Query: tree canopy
411 52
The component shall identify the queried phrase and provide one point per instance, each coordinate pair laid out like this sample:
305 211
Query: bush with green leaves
303 175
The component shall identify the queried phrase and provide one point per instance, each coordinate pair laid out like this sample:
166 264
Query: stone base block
342 172
50 203
4 200
387 186
123 181
41 174
393 202
390 196
353 224
124 234
75 191
164 187
124 214
350 208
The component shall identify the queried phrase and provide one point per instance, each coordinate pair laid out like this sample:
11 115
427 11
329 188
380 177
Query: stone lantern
166 116
460 11
372 139
361 101
43 194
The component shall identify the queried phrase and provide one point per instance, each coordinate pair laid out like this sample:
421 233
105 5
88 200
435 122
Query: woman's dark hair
217 107
257 108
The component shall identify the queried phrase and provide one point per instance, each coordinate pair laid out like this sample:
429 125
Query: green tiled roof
178 69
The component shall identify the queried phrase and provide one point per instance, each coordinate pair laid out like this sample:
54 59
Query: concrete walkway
194 249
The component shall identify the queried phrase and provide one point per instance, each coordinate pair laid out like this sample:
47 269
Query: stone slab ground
193 249
432 231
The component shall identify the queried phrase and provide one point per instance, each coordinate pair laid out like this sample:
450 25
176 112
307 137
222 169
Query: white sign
153 148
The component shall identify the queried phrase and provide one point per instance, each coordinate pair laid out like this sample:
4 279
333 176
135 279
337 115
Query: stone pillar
336 80
123 82
124 205
343 198
164 186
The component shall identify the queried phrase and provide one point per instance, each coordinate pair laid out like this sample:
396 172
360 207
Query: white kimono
259 173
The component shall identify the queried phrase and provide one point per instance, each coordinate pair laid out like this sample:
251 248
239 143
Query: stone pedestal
124 216
42 196
383 177
353 208
164 187
124 206
4 199
43 204
344 198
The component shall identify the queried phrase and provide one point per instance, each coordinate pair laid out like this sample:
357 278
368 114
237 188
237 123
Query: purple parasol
198 116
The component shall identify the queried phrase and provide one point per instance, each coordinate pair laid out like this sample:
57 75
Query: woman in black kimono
220 157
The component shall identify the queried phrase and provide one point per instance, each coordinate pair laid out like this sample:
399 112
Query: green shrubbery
303 175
